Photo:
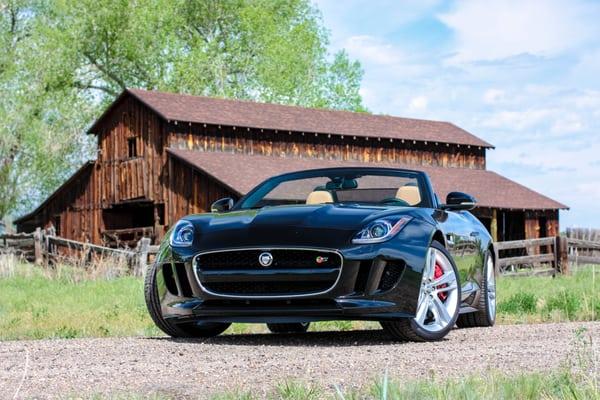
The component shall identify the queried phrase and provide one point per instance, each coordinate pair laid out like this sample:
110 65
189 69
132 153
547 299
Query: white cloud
494 30
492 96
516 120
418 104
372 50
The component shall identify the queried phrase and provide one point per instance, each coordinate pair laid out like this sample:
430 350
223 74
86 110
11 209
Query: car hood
325 225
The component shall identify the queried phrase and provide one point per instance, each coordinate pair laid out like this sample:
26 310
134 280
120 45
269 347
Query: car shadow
308 339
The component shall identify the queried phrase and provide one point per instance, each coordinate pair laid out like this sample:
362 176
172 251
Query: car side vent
167 271
363 275
184 282
391 274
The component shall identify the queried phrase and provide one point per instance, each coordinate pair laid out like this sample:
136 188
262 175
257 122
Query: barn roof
241 172
249 114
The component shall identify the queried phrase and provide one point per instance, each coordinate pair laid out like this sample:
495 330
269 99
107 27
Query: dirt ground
199 368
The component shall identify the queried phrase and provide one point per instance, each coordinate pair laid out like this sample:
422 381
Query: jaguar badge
265 259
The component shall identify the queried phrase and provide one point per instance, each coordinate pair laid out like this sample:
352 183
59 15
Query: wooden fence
45 248
549 255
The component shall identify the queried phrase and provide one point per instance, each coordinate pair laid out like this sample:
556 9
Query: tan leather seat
319 197
409 194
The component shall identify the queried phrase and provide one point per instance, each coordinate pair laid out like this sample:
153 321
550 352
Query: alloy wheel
491 288
438 297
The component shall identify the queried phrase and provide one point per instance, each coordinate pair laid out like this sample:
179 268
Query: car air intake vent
391 274
176 279
266 273
270 288
249 259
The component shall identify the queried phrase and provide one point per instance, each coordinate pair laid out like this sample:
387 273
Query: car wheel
299 327
486 316
192 330
438 304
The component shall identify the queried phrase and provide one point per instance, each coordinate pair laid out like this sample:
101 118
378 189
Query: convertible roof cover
215 111
241 172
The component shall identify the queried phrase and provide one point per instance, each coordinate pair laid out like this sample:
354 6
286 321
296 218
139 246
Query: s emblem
265 259
321 260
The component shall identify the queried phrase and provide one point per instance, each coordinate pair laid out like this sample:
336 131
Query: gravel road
195 369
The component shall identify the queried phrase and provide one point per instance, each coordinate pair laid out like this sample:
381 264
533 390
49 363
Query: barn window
132 147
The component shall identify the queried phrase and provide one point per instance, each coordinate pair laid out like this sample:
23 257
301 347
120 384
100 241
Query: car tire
486 316
297 327
407 329
192 330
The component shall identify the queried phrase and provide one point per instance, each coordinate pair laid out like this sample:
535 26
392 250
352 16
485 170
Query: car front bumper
363 290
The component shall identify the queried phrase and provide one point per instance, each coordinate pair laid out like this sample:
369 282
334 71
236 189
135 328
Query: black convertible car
328 244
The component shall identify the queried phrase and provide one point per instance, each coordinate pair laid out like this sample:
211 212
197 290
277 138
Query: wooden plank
531 272
519 244
537 258
80 245
583 244
7 236
584 259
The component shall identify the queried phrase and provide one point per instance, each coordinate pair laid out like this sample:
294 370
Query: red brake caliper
437 273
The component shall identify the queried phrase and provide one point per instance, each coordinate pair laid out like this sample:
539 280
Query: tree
39 133
66 60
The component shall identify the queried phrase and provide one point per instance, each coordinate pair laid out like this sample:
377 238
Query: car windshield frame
264 188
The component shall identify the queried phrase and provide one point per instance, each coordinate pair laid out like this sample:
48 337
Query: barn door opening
126 224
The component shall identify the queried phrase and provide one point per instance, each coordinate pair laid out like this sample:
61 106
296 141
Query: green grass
68 303
35 306
548 299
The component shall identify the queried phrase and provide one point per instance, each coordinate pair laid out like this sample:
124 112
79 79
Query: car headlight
380 230
182 235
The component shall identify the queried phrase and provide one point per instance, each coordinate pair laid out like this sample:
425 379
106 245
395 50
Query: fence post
496 258
143 247
37 247
562 255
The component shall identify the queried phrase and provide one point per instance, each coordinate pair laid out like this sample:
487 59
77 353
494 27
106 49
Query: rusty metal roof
249 114
241 172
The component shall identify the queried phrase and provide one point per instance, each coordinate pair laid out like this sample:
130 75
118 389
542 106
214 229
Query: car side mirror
222 205
459 201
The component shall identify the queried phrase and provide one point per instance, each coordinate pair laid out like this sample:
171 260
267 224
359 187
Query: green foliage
40 124
519 303
65 61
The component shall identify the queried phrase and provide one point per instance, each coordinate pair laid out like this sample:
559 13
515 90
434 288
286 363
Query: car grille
293 272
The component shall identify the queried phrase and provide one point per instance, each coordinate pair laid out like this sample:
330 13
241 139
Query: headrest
409 194
319 197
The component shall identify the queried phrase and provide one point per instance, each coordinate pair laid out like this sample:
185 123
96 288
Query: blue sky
522 75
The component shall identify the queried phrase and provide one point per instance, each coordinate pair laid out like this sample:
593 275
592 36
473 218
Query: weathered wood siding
191 191
333 147
73 210
125 177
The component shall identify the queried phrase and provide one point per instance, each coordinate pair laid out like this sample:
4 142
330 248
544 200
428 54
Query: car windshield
341 186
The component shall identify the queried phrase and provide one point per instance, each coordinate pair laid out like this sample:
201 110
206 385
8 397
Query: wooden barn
162 156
